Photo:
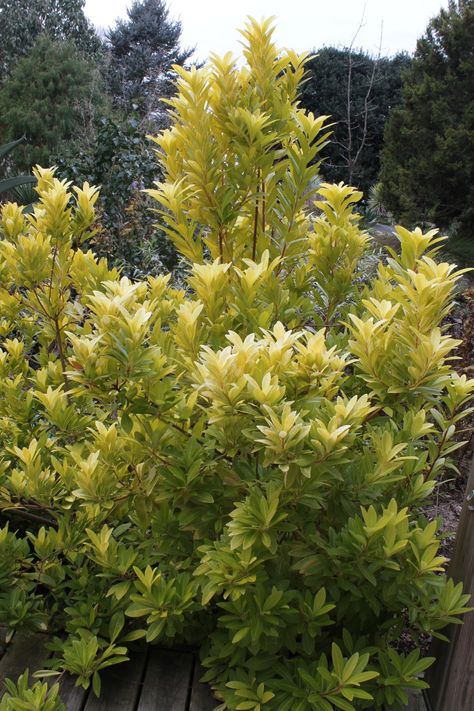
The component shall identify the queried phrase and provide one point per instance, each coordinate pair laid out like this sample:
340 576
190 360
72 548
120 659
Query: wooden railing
451 678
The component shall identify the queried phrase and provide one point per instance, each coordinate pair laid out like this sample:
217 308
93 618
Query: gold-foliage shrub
240 464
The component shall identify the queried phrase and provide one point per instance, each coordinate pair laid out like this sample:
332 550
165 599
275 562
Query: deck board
121 685
73 697
27 651
3 640
154 679
167 682
416 702
202 698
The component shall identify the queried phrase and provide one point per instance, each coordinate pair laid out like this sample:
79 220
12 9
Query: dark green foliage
143 49
428 158
122 162
51 98
22 21
325 92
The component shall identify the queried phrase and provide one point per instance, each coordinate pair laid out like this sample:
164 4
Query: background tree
22 21
375 87
51 98
143 49
51 94
122 161
428 158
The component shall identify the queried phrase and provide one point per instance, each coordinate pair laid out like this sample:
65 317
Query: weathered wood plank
167 681
73 697
3 640
27 651
202 698
416 702
451 678
121 685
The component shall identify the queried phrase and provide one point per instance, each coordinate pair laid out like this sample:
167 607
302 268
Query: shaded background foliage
143 49
123 162
52 98
23 21
372 90
428 157
87 104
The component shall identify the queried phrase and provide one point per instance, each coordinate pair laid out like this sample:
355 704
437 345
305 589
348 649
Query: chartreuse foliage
38 697
242 463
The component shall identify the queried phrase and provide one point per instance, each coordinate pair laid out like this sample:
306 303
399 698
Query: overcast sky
211 25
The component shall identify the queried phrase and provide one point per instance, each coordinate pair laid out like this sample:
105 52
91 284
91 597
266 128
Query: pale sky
211 25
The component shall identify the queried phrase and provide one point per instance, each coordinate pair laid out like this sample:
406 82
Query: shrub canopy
241 463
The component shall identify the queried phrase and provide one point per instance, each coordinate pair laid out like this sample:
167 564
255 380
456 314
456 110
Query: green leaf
14 182
96 684
240 634
8 147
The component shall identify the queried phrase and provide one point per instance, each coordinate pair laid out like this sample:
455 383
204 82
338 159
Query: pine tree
143 49
50 98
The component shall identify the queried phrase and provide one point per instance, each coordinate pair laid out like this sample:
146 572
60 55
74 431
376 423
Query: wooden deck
154 679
